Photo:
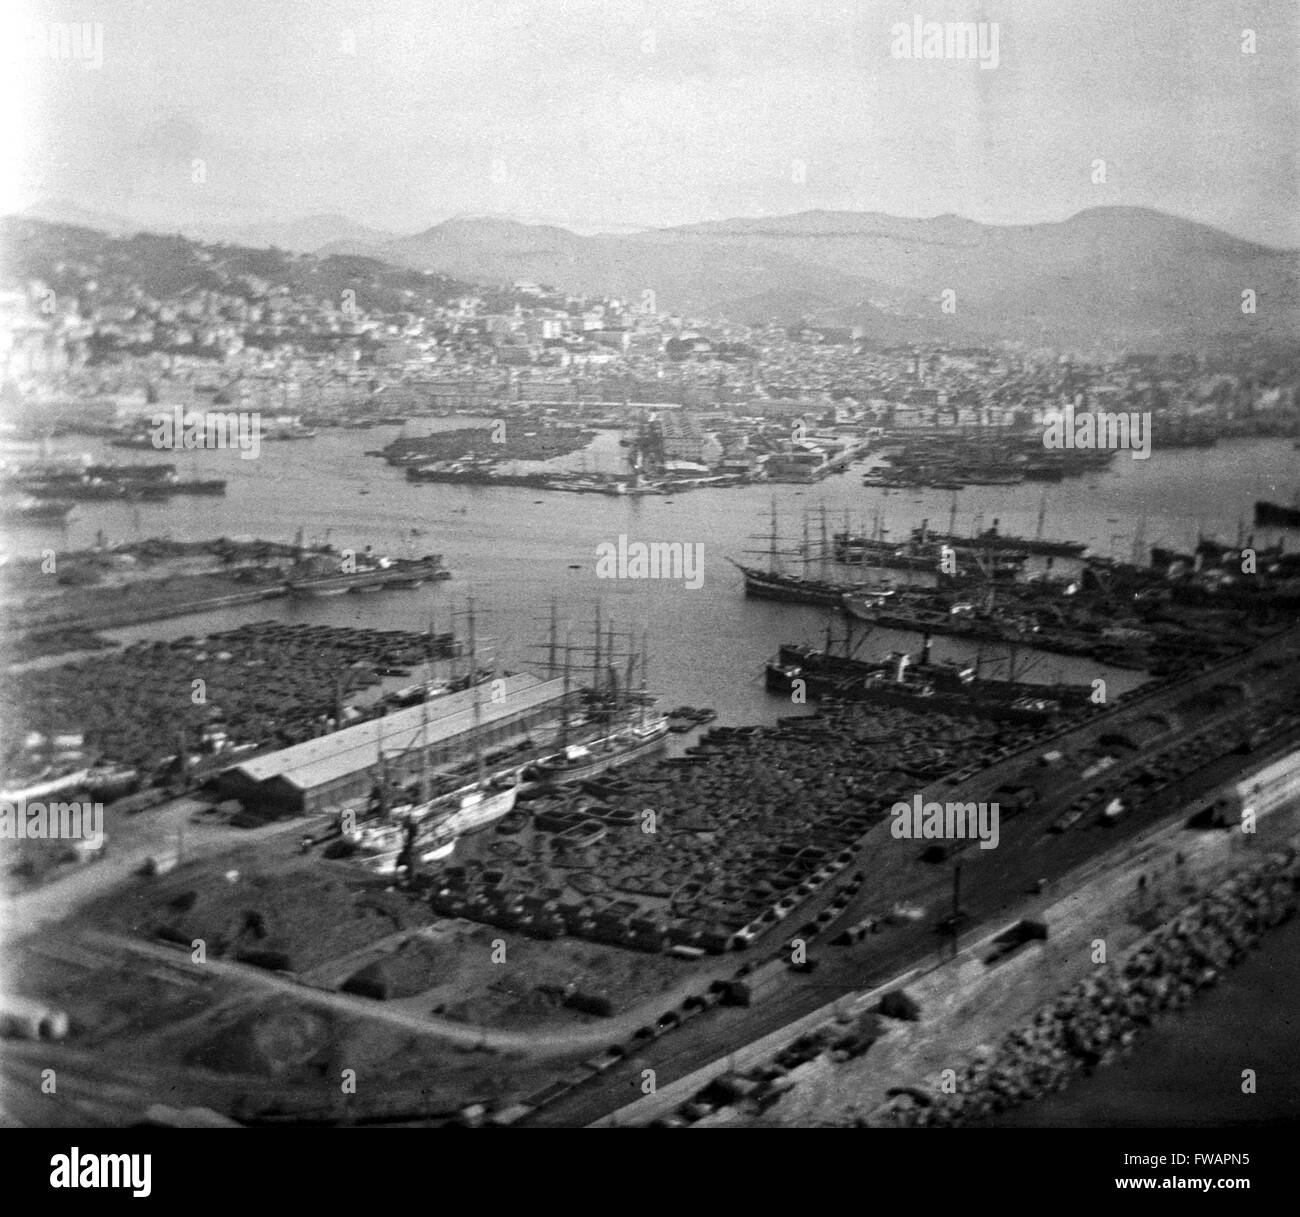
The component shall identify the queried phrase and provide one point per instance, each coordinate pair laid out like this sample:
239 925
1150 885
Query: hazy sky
611 113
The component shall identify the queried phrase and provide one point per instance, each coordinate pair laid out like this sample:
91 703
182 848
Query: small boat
36 510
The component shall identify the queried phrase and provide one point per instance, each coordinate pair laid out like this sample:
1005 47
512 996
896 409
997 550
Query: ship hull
558 773
474 814
780 679
1275 515
788 588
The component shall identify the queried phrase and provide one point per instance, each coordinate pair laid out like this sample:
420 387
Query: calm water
1187 1070
516 550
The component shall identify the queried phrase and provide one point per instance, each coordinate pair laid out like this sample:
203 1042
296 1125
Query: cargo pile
265 683
1099 1018
712 849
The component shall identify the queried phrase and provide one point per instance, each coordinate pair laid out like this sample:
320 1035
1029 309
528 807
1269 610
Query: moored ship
773 585
992 539
1275 515
384 573
580 762
36 511
917 683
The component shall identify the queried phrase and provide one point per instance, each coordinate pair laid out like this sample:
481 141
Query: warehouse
334 770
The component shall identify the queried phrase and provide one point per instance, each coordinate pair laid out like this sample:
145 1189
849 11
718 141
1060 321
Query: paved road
130 843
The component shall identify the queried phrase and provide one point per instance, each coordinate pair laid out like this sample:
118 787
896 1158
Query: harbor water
515 550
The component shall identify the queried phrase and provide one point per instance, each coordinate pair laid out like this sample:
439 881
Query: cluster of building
86 315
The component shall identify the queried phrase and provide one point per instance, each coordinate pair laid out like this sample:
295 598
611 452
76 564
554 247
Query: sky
619 114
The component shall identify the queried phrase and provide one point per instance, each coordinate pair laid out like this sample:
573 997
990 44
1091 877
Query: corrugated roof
315 762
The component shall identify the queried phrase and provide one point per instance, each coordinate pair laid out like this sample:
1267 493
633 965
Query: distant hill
304 235
1114 274
61 211
164 266
1109 276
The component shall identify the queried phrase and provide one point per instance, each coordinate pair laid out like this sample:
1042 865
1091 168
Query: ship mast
1139 557
771 562
595 660
555 626
564 704
424 737
474 688
609 665
645 664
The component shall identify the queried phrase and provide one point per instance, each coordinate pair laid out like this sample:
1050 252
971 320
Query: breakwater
997 984
1100 1018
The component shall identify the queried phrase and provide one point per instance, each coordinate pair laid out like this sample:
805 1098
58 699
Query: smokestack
903 660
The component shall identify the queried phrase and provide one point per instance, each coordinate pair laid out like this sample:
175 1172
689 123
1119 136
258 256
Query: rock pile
1099 1018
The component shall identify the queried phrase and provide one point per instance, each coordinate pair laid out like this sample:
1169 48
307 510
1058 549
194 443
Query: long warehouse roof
326 758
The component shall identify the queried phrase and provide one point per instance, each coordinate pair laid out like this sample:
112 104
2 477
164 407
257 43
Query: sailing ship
916 682
775 584
628 731
401 831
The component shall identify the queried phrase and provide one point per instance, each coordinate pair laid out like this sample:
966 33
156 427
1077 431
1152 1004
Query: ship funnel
903 660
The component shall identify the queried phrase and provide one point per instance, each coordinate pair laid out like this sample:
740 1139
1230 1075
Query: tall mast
1139 556
771 564
564 704
474 689
555 626
614 694
424 737
645 664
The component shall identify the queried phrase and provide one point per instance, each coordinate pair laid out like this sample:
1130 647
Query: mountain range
1113 276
